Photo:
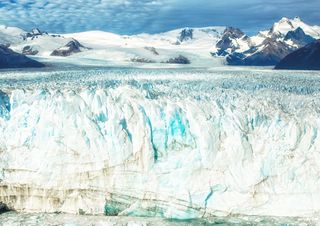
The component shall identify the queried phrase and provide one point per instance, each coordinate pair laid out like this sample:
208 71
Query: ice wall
153 150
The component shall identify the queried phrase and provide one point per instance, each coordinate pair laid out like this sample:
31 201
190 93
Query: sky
152 16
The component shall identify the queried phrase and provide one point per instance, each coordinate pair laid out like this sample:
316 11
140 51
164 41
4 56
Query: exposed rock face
28 50
229 34
186 34
299 37
141 60
178 60
152 49
70 48
11 59
229 41
269 53
305 58
35 33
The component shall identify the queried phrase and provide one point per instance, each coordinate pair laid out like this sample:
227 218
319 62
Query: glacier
172 143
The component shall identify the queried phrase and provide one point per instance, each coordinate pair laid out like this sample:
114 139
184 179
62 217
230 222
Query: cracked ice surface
167 143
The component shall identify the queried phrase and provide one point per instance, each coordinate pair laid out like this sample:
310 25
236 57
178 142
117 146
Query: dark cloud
136 16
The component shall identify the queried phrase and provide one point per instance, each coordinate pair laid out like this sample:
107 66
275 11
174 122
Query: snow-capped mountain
10 35
269 47
233 40
281 28
175 39
269 52
298 37
40 43
70 48
208 46
192 43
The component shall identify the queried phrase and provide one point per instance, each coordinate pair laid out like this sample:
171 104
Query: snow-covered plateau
170 143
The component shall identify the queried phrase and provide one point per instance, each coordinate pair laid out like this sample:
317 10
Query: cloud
249 15
78 15
135 16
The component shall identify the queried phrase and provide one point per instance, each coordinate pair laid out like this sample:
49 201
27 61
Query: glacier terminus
170 143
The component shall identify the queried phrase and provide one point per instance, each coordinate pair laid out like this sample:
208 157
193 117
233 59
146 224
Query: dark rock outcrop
35 33
305 58
186 34
11 59
70 48
178 60
141 60
152 50
27 50
269 53
299 37
228 41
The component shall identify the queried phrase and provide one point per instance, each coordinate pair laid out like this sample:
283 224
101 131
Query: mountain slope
9 35
70 48
298 37
233 40
40 43
305 58
269 53
11 59
192 43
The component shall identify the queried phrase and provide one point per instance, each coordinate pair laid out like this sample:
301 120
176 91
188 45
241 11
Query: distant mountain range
209 46
268 47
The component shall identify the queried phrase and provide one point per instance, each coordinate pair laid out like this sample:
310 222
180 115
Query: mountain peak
297 19
288 20
283 26
186 34
284 20
36 31
299 37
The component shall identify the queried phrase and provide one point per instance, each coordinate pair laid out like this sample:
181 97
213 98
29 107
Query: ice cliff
180 148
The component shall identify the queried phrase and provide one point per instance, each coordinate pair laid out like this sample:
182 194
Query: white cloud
133 16
76 15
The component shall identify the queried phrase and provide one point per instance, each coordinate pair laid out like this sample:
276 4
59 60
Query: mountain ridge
202 46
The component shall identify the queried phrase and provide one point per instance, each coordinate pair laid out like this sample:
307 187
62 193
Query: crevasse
141 151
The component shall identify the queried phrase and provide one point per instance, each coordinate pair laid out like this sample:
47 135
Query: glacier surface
161 143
